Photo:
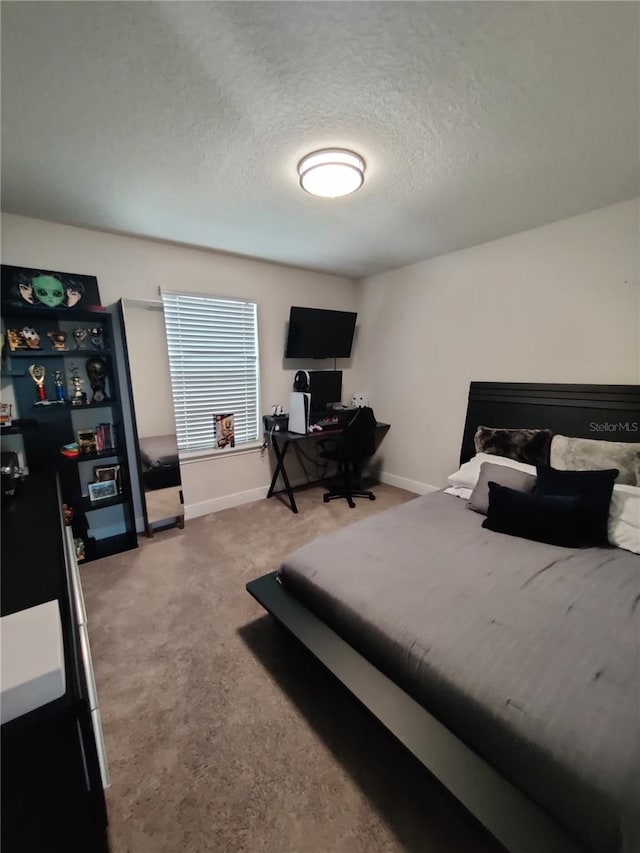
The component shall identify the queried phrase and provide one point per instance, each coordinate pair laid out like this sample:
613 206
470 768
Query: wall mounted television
320 333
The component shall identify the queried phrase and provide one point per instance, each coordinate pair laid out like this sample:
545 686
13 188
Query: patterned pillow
524 445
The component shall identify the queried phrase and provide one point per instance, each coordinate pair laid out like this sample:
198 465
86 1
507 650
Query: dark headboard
605 412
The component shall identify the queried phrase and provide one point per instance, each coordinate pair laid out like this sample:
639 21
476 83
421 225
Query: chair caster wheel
325 498
372 497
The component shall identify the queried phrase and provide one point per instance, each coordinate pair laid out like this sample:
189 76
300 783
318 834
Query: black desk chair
356 443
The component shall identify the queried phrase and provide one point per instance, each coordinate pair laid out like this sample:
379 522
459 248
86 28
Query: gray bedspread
528 652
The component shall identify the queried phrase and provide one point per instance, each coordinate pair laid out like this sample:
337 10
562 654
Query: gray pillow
503 476
588 454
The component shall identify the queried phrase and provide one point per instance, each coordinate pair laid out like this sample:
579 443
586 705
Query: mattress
527 652
158 450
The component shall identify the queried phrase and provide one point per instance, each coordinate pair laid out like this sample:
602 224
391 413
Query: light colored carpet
221 733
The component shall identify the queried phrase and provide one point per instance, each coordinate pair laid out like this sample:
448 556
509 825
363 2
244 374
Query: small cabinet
63 370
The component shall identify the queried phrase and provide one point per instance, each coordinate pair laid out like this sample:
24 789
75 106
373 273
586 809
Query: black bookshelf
58 423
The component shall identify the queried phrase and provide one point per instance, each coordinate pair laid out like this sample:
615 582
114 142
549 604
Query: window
213 361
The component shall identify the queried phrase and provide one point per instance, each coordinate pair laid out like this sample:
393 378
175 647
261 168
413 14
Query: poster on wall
224 431
40 290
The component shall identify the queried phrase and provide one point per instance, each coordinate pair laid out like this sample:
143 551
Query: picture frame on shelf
87 442
102 491
107 473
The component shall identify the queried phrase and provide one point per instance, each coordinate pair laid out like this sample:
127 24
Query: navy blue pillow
594 488
554 519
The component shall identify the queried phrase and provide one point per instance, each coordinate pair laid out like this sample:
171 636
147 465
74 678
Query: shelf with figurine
22 343
20 354
97 371
59 343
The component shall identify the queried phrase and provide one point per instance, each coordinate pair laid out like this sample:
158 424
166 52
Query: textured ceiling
185 121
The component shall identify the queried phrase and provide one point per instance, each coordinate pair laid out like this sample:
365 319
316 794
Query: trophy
59 340
78 398
57 381
38 373
97 372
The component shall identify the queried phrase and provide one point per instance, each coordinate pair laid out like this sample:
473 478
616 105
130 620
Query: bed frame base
513 819
509 815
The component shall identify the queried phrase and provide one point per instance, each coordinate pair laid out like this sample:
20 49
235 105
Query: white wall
135 268
556 304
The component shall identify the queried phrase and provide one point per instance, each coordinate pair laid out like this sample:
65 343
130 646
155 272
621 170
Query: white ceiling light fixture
332 172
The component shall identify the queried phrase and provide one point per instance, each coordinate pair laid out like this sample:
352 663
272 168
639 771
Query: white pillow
467 475
624 518
465 494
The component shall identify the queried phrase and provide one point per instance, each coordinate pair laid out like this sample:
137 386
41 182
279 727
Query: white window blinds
213 360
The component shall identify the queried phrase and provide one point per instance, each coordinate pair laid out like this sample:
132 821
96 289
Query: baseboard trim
224 502
238 498
404 483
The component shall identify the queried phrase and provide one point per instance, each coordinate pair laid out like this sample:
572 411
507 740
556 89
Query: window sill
188 457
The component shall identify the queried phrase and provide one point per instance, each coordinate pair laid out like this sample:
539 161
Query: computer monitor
326 388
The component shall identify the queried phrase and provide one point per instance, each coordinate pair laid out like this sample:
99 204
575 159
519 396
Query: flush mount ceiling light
331 173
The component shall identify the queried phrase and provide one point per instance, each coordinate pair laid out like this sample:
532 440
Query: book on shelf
105 437
97 440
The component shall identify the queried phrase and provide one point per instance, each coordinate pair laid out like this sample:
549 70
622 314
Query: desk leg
280 469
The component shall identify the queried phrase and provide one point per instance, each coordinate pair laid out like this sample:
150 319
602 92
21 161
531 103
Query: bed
507 667
160 462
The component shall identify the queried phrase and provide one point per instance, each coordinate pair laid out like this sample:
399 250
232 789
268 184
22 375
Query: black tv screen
320 333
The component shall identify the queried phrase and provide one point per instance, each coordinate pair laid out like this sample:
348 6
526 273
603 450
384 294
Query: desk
282 441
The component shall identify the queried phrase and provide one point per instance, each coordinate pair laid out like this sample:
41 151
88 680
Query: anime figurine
96 337
80 337
32 338
59 340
